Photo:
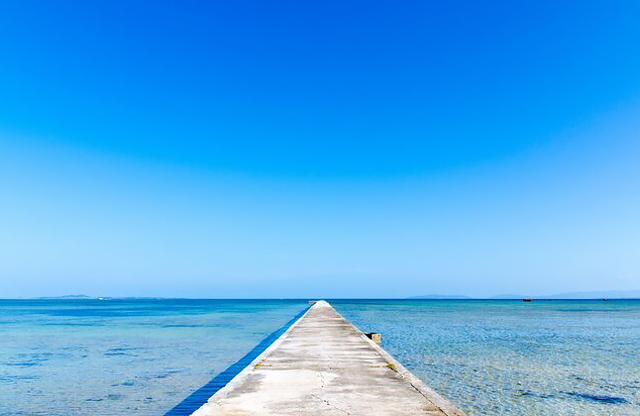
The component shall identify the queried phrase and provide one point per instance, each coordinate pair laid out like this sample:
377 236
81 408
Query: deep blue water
114 357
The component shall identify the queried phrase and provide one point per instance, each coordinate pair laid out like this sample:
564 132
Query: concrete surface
324 366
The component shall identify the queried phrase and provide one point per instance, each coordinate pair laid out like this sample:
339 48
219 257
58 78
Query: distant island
609 294
67 297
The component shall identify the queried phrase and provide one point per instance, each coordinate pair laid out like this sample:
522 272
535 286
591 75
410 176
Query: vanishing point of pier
324 366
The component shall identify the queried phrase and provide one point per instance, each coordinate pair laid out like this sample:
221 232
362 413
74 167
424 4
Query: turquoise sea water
115 357
122 357
514 357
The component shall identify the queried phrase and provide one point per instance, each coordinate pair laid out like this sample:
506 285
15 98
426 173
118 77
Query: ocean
144 356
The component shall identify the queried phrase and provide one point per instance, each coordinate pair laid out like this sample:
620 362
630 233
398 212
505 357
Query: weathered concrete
324 366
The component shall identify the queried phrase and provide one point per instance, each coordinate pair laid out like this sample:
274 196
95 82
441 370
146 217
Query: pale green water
490 357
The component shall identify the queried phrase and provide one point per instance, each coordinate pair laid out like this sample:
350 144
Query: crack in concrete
333 405
321 375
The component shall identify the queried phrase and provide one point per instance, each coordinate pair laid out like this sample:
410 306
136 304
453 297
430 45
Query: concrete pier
324 366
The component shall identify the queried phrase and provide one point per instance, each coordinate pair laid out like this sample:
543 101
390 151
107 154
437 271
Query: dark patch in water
581 396
73 348
128 383
24 364
31 360
94 400
167 373
36 357
536 395
18 378
115 396
119 351
595 398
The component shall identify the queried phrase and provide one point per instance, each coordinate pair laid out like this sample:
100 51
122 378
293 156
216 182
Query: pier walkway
324 366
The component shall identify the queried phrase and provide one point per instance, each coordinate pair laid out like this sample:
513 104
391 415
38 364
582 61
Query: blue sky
327 149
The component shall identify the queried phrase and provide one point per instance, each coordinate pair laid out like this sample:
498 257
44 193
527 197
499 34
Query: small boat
526 300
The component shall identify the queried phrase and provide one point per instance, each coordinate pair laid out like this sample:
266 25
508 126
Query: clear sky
319 149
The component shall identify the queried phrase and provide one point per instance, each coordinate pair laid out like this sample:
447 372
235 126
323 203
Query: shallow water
515 358
122 357
142 357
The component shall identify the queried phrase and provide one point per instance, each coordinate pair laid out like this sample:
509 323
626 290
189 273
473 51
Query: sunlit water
122 357
141 357
514 357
